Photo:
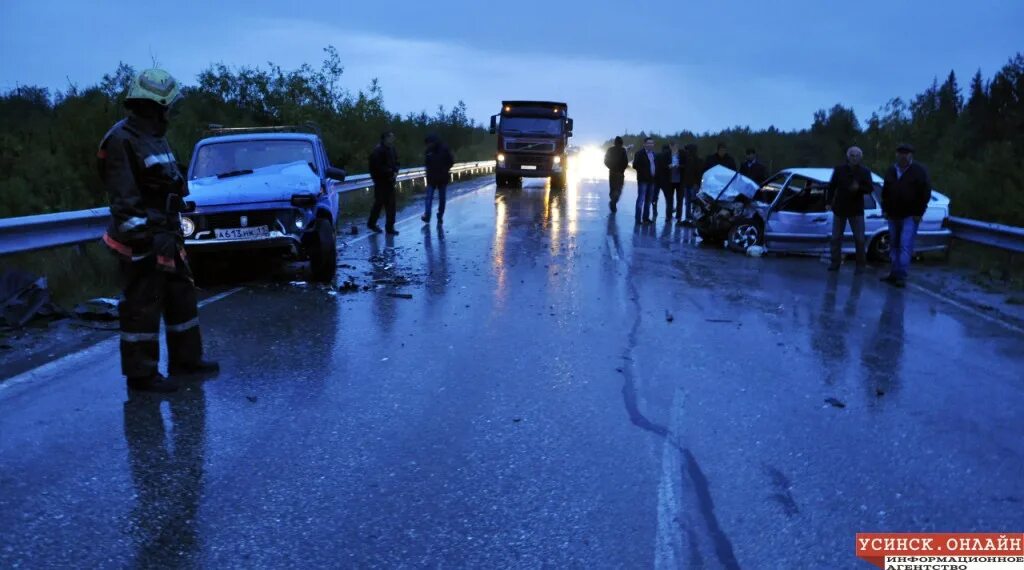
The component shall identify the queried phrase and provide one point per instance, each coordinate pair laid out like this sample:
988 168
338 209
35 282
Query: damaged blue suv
270 189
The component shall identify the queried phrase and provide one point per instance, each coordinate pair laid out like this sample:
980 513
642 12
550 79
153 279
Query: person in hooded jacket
147 191
438 160
384 172
617 161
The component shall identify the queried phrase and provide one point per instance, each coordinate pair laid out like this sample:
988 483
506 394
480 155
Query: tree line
972 145
48 140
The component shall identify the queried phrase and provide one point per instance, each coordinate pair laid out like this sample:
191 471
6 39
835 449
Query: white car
788 214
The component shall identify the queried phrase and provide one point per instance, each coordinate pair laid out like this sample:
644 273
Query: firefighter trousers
150 293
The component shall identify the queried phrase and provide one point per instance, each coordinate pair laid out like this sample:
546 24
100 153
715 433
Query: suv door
798 220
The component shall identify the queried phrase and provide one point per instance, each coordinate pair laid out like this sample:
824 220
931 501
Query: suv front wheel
323 251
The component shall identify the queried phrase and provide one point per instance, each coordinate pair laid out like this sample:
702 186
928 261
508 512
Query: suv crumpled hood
275 183
726 185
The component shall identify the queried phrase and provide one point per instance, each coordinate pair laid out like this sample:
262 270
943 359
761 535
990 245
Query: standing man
905 196
721 157
147 192
752 168
845 197
644 164
384 171
438 160
693 172
674 181
616 159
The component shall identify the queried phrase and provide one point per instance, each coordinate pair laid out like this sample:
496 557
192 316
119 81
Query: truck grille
233 220
530 146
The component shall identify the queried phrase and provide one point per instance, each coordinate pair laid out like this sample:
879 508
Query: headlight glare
188 227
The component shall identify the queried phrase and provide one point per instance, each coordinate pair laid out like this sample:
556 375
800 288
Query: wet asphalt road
531 405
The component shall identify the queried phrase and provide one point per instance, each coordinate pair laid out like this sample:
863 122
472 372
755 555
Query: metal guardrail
999 236
30 233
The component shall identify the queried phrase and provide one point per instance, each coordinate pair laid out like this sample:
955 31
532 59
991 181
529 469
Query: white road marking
69 361
967 308
669 544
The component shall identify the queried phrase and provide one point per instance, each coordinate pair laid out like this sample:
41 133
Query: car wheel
745 234
879 248
323 254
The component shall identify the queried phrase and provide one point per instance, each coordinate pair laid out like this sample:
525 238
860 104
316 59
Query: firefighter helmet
155 85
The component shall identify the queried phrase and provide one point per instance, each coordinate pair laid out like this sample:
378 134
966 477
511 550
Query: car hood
726 185
275 183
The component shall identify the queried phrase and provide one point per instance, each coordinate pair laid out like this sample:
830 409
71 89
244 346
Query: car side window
769 190
794 197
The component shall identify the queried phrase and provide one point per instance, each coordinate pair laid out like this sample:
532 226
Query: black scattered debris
400 295
718 320
99 309
834 403
346 266
353 230
517 420
251 399
349 286
669 316
879 392
23 298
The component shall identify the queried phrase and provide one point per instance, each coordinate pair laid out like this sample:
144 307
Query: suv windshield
227 157
531 126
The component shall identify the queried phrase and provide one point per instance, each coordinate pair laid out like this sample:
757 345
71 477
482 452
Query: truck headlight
188 227
558 160
299 222
501 157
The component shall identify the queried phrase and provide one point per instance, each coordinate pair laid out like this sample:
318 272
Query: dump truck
533 137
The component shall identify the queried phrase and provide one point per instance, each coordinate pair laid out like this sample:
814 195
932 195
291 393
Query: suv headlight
558 160
501 157
188 227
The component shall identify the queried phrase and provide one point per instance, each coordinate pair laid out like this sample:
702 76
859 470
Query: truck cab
533 137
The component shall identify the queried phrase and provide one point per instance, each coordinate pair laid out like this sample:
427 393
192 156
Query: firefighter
147 192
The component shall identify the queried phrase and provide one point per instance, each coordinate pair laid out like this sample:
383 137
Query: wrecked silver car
788 213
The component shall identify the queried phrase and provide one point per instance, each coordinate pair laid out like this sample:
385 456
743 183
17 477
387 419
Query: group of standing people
438 160
676 173
906 192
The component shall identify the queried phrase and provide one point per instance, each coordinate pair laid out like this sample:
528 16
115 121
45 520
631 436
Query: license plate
528 167
242 233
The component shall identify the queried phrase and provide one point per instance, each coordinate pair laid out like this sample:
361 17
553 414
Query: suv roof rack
214 129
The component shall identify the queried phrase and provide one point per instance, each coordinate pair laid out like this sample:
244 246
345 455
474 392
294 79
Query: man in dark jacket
905 196
693 172
438 160
752 168
721 157
644 162
667 172
616 159
384 171
845 197
147 193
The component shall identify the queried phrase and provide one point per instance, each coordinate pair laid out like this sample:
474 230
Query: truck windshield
531 126
227 157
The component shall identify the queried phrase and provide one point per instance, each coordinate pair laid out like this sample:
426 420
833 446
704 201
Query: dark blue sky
660 66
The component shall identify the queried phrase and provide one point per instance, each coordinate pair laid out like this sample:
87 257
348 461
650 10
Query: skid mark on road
688 527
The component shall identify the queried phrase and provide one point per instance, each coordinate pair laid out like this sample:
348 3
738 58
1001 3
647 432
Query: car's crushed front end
725 198
266 208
